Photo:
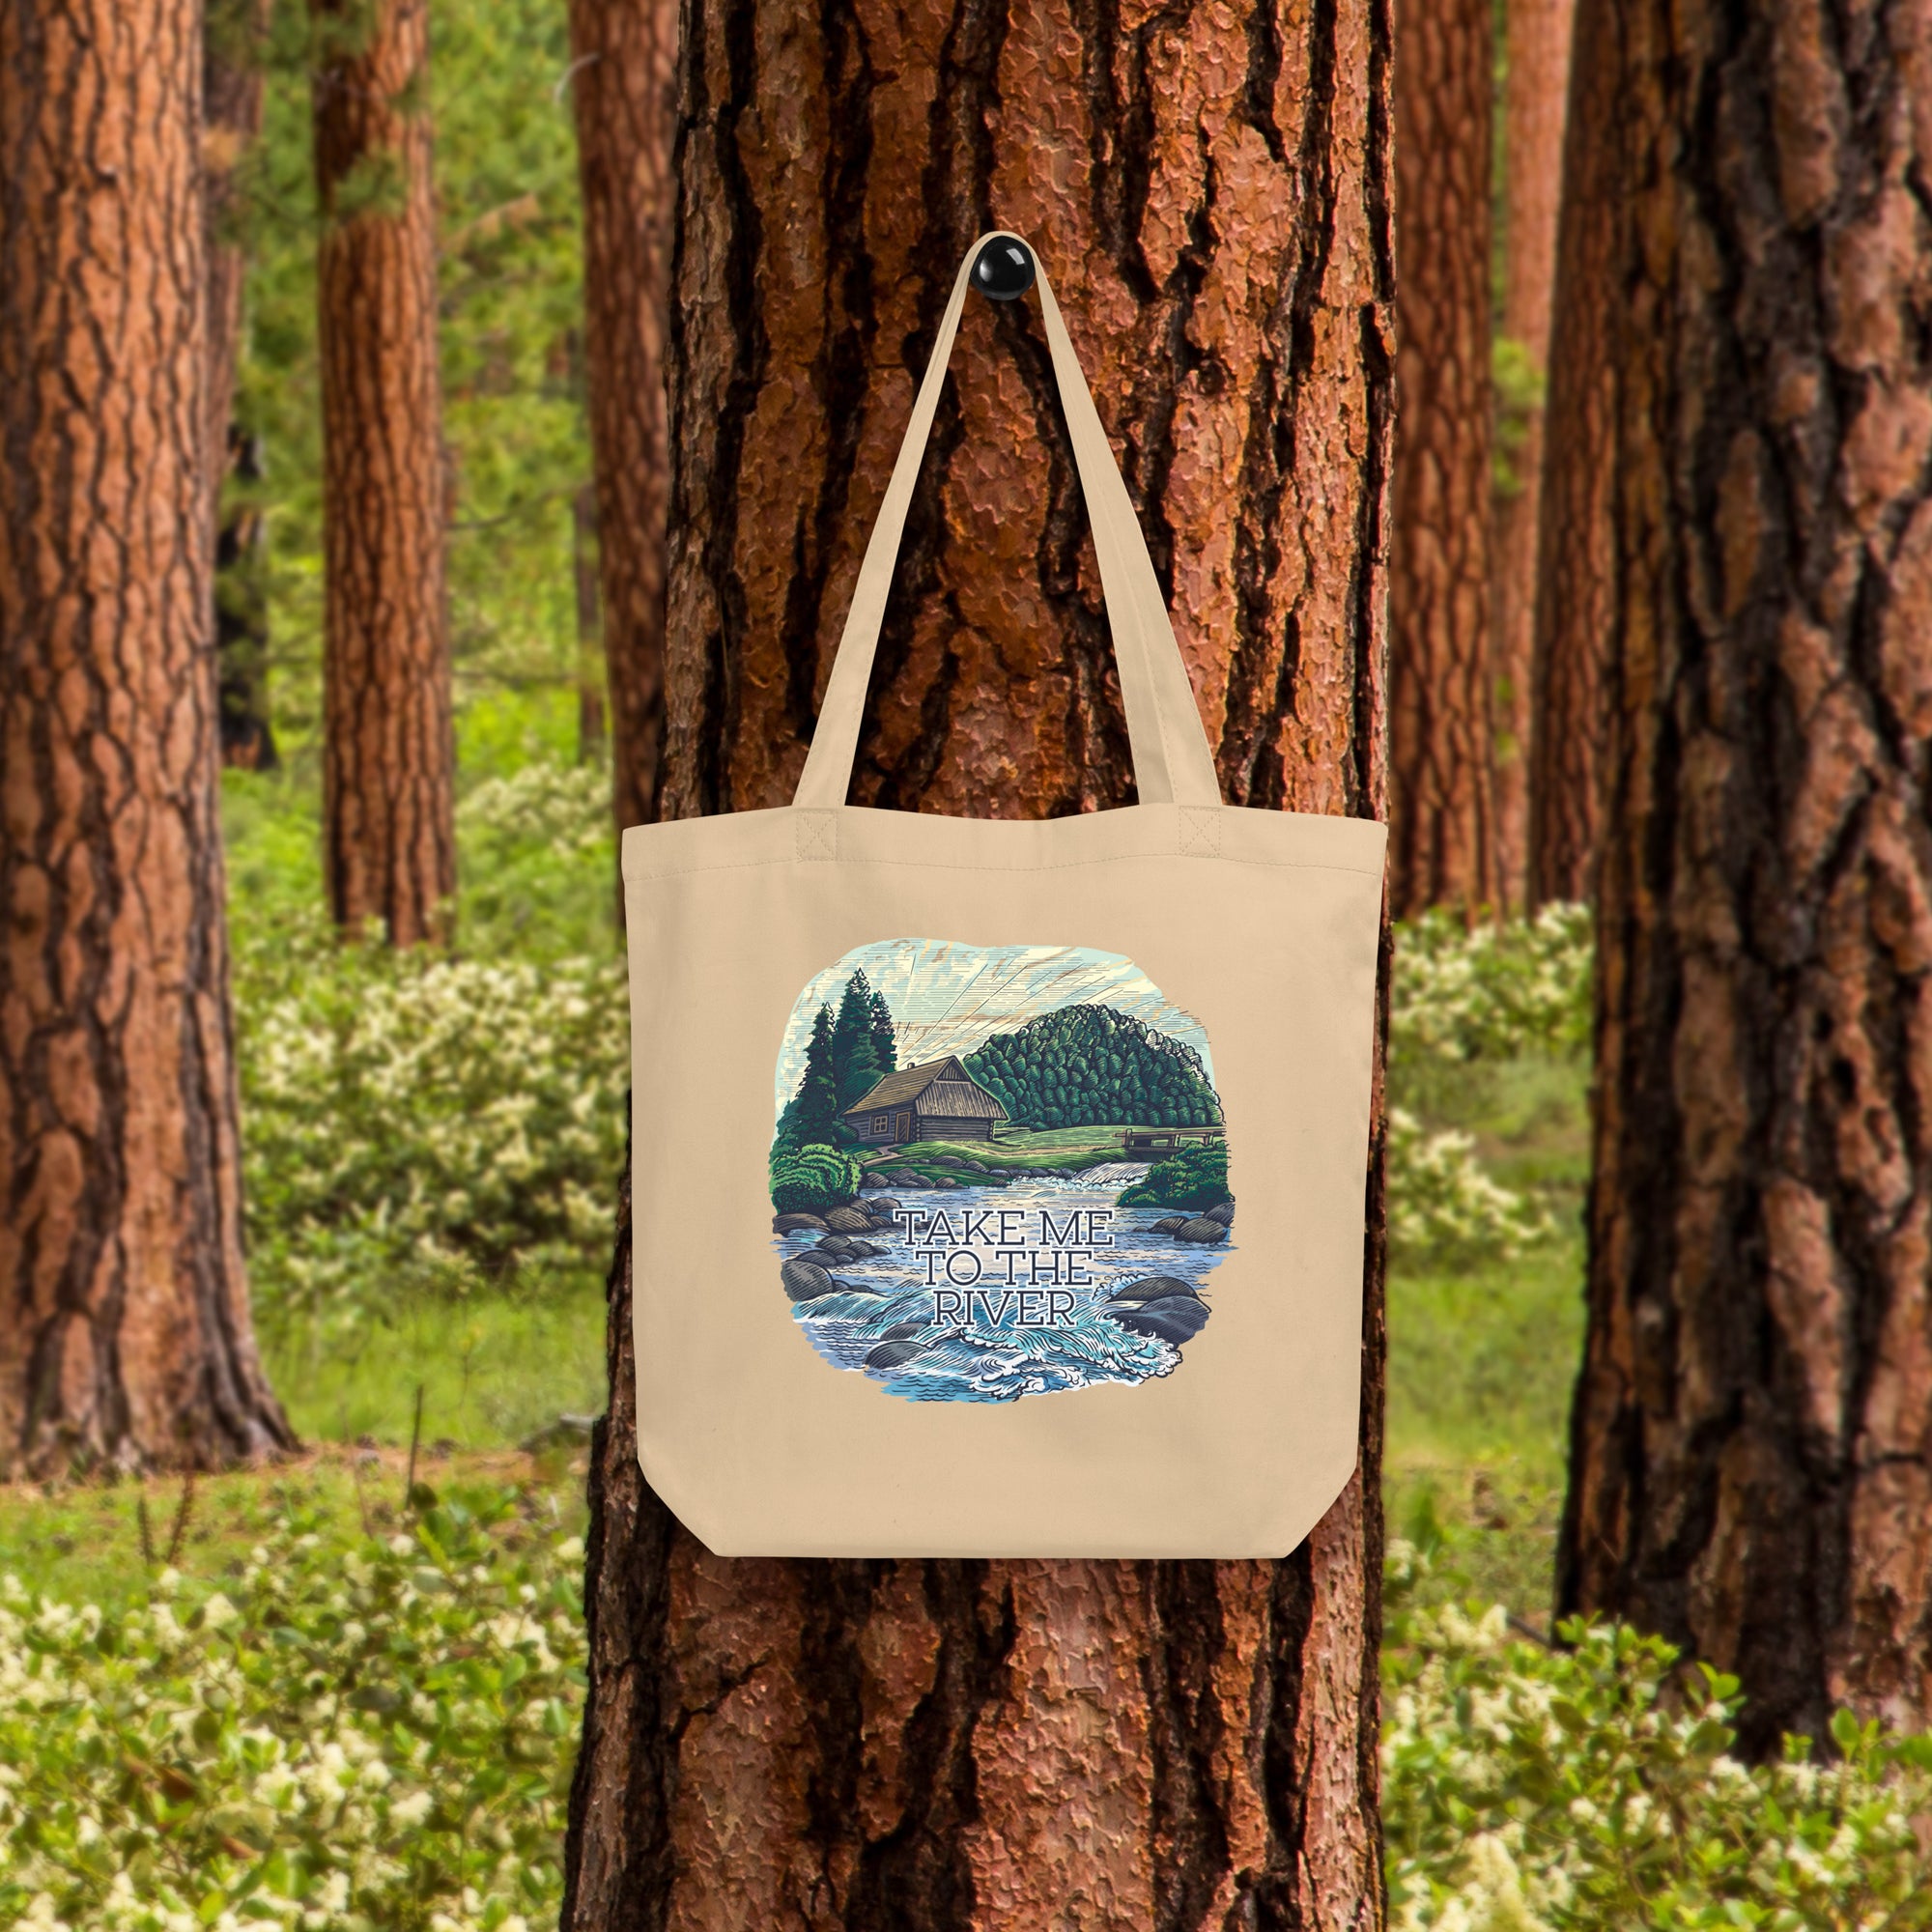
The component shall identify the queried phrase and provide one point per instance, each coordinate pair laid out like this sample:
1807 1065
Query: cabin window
878 1123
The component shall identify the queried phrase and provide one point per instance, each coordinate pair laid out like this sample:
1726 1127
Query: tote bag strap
1172 762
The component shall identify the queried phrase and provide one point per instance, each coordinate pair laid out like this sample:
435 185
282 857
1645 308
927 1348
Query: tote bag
998 1185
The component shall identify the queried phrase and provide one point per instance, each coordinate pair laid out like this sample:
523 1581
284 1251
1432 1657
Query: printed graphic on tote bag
998 1171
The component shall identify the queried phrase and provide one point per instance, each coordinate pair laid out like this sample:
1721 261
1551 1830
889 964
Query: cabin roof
964 1096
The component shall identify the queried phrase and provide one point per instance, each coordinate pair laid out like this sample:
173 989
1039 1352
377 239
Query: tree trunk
1575 548
591 736
125 1335
623 62
1538 39
242 616
388 806
1013 1745
1750 1466
234 53
1442 828
234 57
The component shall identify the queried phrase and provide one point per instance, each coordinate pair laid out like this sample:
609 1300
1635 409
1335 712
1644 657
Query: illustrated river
974 1348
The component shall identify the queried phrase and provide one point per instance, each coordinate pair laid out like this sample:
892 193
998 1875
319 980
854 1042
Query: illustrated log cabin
936 1101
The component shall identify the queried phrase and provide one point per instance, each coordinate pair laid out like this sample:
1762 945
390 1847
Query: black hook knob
1005 270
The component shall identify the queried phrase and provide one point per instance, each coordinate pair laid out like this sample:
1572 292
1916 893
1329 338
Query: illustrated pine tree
854 1064
1751 1472
125 1340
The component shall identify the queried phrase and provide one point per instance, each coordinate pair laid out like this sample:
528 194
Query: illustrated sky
946 997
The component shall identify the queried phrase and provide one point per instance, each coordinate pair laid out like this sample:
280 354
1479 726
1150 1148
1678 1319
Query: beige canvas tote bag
998 1186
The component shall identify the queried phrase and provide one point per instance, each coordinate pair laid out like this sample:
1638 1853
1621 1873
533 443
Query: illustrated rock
893 1354
804 1280
1169 1318
1225 1214
848 1221
1202 1230
788 1224
1172 1224
1149 1288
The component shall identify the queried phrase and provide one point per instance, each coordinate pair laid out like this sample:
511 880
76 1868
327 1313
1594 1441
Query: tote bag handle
1172 762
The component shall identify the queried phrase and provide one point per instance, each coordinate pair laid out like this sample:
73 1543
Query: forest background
344 1685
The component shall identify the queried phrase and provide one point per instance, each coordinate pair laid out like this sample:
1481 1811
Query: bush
1591 1789
1496 991
1443 1207
1191 1177
412 1121
809 1180
357 1732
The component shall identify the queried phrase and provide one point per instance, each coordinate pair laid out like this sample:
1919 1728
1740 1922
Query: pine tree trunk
125 1334
1018 1745
592 735
233 60
1575 548
242 616
234 53
1538 38
388 804
1442 824
1751 1468
623 60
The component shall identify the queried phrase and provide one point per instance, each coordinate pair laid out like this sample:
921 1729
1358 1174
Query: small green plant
1443 1206
419 1123
1591 1788
355 1731
1191 1177
809 1180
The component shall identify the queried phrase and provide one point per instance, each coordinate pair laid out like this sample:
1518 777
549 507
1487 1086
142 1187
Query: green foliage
810 1118
1192 1176
539 863
808 1179
856 1068
884 1045
510 317
1091 1065
353 1732
1490 992
418 1122
1443 1206
1591 1789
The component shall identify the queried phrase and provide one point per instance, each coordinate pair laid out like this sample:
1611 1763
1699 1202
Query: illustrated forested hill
1091 1066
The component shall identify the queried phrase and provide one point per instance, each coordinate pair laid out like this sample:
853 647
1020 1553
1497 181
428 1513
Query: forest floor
1480 1366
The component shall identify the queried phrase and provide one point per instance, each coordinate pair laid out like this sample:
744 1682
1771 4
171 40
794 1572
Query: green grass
1017 1148
1482 1361
495 1369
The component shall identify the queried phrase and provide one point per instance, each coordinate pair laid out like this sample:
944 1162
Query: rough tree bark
1575 548
124 1337
976 1744
234 58
1538 44
388 799
623 60
592 735
1443 830
1750 1463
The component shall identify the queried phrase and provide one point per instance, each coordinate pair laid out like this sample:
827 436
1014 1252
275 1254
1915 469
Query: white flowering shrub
417 1121
538 863
1591 1788
1494 991
1442 1204
347 1737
